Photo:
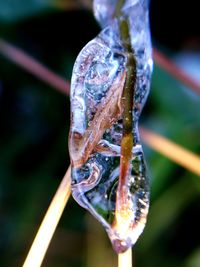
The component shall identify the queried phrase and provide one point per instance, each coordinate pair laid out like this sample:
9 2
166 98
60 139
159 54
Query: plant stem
171 150
125 259
122 212
128 105
44 235
34 67
118 8
175 71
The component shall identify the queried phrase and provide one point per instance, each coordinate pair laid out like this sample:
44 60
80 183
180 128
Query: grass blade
49 223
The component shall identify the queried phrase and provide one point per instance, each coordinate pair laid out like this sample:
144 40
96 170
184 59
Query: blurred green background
34 125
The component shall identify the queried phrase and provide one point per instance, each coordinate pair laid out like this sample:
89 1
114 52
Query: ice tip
121 246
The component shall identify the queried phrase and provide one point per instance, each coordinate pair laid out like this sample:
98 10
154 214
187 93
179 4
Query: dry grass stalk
176 153
34 67
41 242
170 67
125 259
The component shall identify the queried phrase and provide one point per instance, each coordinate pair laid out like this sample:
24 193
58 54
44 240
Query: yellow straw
169 149
125 259
49 224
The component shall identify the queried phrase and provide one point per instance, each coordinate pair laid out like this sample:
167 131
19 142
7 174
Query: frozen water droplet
104 11
96 129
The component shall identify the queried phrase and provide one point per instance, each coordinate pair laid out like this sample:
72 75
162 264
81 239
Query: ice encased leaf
96 122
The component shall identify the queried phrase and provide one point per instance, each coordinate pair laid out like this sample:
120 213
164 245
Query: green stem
128 106
122 202
118 8
129 87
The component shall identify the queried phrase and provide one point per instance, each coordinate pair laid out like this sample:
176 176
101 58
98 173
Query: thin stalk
170 67
125 259
118 8
122 212
171 150
34 67
127 99
44 235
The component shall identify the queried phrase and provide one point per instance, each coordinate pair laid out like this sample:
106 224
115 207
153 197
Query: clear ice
96 131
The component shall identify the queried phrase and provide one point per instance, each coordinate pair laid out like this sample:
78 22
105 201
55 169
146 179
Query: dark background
34 124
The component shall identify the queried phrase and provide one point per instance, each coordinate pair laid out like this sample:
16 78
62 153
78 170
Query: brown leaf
108 112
